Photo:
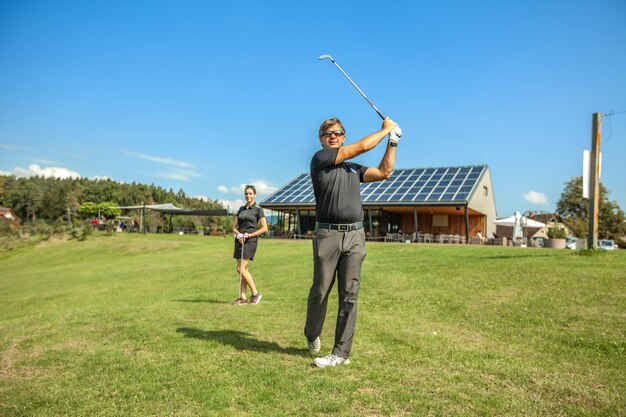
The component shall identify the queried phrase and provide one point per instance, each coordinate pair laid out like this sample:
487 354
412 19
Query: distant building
8 214
440 201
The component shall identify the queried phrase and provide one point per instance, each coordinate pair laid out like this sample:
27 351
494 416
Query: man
339 242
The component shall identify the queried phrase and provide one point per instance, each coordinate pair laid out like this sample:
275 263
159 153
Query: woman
246 228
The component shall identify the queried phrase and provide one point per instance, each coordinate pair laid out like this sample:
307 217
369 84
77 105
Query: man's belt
341 227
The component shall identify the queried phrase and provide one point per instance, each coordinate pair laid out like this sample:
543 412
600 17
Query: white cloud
160 160
232 205
178 174
237 190
12 147
8 146
5 173
46 161
70 154
35 170
262 188
102 178
536 197
202 197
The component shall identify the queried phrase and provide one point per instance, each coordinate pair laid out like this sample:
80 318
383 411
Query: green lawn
134 325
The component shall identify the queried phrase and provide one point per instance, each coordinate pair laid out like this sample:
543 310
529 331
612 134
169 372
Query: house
440 201
8 214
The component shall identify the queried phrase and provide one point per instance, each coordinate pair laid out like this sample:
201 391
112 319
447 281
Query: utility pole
594 183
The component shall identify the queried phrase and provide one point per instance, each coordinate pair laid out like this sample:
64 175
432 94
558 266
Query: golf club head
327 56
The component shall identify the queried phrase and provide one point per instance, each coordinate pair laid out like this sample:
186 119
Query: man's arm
366 144
385 168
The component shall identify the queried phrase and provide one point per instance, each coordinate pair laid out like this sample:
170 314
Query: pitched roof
8 213
414 186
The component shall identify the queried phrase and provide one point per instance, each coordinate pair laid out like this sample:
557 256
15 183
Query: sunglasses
338 133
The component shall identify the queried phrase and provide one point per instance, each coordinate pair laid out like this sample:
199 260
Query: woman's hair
328 123
252 187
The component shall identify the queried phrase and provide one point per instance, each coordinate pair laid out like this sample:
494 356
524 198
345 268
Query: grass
134 325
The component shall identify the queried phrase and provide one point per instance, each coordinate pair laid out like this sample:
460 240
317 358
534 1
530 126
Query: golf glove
394 135
238 236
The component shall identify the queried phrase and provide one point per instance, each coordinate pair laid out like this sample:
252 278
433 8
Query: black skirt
249 248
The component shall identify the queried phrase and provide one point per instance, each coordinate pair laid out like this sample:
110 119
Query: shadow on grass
204 300
241 341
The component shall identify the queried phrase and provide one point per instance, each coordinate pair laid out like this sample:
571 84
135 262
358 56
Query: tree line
574 211
48 199
53 199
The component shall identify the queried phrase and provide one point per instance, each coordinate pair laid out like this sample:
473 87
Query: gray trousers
339 254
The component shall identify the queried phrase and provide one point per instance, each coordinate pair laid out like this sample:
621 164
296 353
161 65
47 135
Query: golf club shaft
382 116
241 268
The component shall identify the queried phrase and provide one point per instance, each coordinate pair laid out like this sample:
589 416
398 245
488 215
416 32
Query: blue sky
207 96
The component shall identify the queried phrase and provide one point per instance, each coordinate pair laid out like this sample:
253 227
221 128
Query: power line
613 113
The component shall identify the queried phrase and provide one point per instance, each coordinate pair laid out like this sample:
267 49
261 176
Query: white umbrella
524 221
517 226
518 223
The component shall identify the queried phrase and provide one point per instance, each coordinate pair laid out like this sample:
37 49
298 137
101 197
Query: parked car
605 244
570 242
539 241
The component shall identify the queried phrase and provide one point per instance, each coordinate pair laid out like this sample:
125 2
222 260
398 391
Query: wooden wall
456 225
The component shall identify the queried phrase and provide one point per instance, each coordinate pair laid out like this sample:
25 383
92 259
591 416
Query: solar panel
444 185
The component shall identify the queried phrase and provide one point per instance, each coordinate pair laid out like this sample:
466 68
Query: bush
556 233
59 227
39 227
110 228
87 230
81 233
9 229
590 252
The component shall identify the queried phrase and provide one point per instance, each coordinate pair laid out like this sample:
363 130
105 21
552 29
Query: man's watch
394 144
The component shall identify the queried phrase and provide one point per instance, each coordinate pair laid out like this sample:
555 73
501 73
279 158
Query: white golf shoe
331 360
314 346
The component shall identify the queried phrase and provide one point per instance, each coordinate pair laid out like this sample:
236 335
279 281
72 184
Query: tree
88 209
48 199
109 209
574 210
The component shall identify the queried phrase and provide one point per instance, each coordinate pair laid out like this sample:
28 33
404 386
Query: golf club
352 82
241 268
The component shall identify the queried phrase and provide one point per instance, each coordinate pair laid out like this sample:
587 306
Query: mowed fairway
141 325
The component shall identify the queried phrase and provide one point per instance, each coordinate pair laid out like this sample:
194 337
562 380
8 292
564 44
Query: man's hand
388 125
394 135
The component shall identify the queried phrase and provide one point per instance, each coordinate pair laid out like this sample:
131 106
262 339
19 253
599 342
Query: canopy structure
517 218
170 209
519 223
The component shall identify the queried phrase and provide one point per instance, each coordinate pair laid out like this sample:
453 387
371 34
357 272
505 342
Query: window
440 220
485 191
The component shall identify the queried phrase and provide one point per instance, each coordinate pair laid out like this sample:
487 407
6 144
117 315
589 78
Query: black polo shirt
248 218
337 188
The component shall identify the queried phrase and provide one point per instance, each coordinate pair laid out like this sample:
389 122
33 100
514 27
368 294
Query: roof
172 209
8 213
413 186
